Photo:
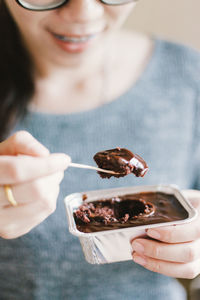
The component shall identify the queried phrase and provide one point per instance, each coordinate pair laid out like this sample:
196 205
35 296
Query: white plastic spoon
91 167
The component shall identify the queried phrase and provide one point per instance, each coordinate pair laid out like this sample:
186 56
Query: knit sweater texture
157 118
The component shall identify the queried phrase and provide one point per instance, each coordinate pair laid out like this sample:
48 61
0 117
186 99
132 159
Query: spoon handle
90 167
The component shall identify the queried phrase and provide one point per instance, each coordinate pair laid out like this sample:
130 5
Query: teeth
73 39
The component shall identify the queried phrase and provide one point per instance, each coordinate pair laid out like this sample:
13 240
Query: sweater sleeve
192 69
196 158
190 66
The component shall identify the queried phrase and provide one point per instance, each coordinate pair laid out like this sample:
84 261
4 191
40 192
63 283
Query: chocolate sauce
128 211
121 161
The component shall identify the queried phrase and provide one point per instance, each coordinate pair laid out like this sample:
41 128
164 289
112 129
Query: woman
84 85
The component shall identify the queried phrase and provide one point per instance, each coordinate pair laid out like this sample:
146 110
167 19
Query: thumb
22 142
193 196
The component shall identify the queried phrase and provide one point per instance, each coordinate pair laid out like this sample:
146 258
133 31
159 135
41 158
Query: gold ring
9 195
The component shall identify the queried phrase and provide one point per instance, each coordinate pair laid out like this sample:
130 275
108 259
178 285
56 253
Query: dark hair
16 82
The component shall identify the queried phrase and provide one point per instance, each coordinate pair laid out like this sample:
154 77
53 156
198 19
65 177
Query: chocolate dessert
128 211
121 161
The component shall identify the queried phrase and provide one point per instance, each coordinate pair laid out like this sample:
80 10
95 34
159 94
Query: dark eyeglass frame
66 1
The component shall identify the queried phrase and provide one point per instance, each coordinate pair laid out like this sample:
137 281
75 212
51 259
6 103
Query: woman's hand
175 250
34 176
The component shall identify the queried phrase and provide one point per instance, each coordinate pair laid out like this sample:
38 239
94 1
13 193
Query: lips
73 43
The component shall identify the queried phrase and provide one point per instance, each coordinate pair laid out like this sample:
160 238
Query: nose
81 11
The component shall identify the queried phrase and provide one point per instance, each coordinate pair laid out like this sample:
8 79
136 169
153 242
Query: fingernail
154 234
139 260
137 247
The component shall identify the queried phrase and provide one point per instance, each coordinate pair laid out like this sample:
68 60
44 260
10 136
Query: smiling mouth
74 39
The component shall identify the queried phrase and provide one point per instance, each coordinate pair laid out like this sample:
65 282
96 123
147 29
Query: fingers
34 176
176 234
180 253
28 216
18 169
43 189
36 201
22 142
193 196
175 249
177 270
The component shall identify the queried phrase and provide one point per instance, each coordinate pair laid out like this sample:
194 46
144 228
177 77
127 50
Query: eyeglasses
40 5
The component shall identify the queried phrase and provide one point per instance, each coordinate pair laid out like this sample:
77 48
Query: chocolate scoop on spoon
122 161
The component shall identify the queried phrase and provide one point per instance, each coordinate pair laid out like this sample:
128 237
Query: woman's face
77 29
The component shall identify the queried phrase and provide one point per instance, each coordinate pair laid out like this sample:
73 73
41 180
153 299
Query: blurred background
177 20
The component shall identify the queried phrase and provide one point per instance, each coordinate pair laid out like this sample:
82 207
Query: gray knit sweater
156 118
